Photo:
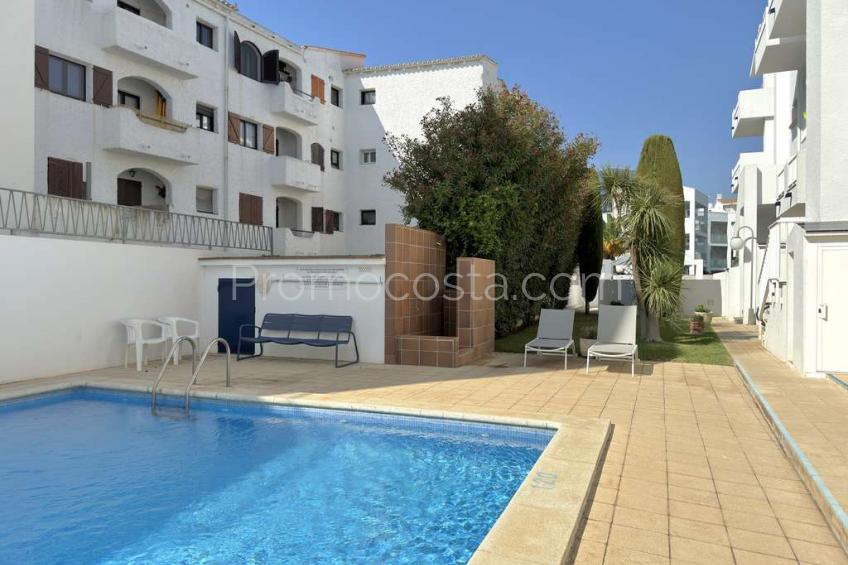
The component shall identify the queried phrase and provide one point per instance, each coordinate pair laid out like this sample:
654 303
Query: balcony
289 242
295 173
788 18
791 200
125 130
150 43
745 159
753 108
295 105
774 52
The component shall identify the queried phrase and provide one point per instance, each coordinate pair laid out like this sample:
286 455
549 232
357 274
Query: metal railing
55 215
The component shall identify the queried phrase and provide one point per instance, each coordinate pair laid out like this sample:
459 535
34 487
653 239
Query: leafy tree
500 181
645 224
658 163
590 244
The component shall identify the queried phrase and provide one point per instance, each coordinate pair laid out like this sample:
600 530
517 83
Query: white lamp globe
737 243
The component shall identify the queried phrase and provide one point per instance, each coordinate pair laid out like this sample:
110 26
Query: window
248 135
205 118
337 221
205 200
66 78
369 156
368 217
250 61
205 35
335 96
368 97
335 159
129 8
129 100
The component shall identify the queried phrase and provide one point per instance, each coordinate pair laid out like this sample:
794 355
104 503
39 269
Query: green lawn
679 345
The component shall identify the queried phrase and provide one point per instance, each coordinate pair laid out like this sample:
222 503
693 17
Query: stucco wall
17 110
62 299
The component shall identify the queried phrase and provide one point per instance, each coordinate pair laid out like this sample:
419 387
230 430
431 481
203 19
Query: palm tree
643 218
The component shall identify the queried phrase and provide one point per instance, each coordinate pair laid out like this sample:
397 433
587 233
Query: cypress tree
659 164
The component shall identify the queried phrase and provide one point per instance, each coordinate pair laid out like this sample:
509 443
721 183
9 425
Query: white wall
17 112
357 295
60 300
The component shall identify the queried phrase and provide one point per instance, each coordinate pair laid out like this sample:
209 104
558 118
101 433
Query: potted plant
588 338
705 313
696 325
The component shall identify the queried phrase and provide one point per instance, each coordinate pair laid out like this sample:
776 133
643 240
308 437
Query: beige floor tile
807 532
750 558
752 522
694 551
818 554
694 496
601 511
595 530
760 543
641 519
640 540
701 531
696 512
590 553
617 555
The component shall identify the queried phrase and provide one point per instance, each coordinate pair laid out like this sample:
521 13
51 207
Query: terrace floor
693 473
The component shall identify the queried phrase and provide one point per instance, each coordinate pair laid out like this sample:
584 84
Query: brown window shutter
329 221
237 51
42 67
270 67
318 88
76 184
102 87
317 219
268 139
64 178
257 210
250 209
233 128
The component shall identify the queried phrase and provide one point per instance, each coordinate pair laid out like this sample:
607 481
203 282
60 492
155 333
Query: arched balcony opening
143 188
156 11
145 97
288 213
288 143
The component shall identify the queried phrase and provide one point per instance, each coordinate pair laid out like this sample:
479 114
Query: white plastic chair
616 335
137 339
553 336
190 329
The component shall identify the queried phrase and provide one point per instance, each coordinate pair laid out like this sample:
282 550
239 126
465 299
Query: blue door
236 307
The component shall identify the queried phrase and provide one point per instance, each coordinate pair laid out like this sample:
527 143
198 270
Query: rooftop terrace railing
31 212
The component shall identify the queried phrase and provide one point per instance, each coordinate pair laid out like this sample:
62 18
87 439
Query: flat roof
289 257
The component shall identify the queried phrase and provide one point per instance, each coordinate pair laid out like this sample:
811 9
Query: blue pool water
91 476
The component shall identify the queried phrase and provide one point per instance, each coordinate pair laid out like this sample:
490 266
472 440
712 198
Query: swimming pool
90 476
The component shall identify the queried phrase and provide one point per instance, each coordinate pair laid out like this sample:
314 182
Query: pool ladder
195 367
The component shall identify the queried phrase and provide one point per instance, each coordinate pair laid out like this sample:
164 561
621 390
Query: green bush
500 181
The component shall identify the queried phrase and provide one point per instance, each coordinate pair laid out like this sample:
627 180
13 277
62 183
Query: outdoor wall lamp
737 243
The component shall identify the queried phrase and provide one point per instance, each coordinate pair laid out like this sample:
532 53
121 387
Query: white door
832 310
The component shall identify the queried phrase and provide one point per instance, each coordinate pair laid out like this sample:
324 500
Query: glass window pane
76 81
57 75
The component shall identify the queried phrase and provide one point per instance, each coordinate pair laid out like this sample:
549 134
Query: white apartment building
791 203
696 229
190 107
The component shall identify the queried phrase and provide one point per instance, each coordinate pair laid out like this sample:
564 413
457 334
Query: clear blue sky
618 69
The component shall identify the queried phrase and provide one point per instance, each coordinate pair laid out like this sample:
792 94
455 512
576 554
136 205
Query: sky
620 70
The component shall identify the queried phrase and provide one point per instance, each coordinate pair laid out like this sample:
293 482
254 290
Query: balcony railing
54 215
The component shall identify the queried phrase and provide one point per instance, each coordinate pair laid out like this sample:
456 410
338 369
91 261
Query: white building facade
792 213
191 108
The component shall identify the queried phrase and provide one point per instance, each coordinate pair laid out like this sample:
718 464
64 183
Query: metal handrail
166 364
34 212
196 370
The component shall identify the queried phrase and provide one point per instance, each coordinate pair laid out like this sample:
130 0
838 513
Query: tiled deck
814 411
692 475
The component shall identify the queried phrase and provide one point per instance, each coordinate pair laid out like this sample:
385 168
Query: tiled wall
475 310
411 253
441 332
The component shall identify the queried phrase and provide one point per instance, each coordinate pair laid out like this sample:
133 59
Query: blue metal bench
301 329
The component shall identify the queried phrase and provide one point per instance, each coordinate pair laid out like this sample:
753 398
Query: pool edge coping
541 499
828 505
